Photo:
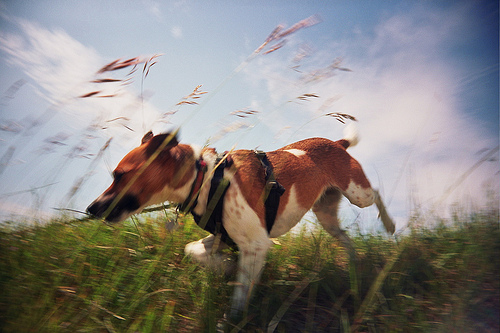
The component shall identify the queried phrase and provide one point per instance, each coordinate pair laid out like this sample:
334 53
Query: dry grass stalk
192 97
326 72
118 64
58 139
233 127
128 79
11 92
165 117
276 47
90 94
270 38
11 126
244 113
105 80
328 103
148 64
305 23
278 34
303 52
307 97
118 118
342 117
125 119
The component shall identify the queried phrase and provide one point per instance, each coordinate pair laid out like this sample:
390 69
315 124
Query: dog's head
147 175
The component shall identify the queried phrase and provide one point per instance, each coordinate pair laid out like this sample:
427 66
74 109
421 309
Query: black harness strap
211 221
273 191
192 199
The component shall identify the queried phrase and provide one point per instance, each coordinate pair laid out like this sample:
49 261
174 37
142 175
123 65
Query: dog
315 173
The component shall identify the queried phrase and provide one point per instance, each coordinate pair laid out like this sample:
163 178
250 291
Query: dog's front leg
250 265
208 252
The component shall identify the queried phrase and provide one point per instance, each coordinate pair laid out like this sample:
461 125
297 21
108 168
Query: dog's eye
117 175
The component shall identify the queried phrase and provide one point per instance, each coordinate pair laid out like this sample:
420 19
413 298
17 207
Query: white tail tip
351 134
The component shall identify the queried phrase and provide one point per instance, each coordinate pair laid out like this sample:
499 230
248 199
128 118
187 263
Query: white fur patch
290 217
359 196
200 208
170 194
196 150
203 251
296 152
240 220
351 134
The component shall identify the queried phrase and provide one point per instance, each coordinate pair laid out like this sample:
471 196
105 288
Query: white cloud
415 135
53 59
154 8
63 69
176 32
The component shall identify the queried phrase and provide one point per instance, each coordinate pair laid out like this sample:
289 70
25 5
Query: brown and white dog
314 172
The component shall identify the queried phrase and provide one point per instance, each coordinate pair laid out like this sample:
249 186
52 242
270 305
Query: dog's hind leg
325 209
366 196
384 216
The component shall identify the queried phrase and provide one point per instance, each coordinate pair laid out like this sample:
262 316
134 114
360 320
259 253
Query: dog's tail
351 136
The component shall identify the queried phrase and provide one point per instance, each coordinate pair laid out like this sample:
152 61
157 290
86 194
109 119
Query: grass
85 276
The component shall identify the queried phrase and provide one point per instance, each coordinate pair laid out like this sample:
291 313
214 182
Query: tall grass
86 276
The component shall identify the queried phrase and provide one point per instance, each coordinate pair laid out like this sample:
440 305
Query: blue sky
423 84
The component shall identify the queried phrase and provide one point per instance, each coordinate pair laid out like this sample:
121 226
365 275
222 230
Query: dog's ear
147 137
161 141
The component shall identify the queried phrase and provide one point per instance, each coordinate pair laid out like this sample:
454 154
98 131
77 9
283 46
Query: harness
273 190
192 199
211 220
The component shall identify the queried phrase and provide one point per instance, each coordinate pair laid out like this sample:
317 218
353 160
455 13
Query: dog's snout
129 203
111 211
95 209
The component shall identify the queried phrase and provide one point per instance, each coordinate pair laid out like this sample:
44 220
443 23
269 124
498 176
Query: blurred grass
86 276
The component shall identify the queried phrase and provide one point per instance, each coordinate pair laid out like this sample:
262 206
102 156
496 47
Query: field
86 276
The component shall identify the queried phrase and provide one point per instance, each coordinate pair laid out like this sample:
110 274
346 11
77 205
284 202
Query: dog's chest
243 222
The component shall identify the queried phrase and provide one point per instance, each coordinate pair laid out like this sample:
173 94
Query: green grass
85 276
